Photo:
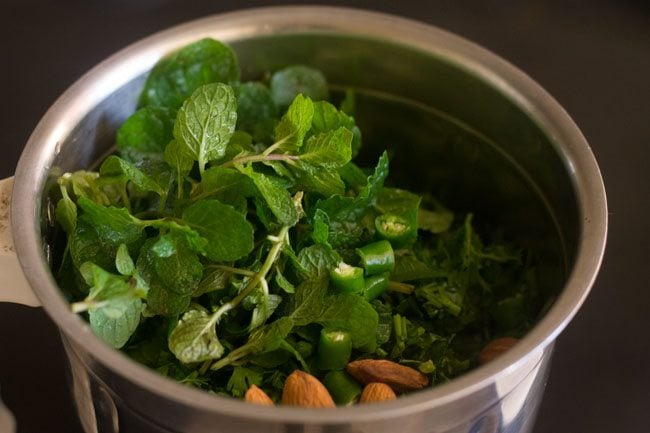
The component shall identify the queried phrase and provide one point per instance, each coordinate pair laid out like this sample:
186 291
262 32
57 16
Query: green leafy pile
204 247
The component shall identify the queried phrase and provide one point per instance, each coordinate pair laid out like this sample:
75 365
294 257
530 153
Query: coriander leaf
123 262
256 111
295 123
327 118
437 221
145 134
116 329
288 83
229 235
177 267
114 225
317 260
176 77
276 196
194 339
440 296
205 123
117 168
66 212
242 378
351 313
329 149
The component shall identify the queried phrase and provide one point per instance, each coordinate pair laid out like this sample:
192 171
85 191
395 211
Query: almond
495 348
256 396
398 377
303 389
375 392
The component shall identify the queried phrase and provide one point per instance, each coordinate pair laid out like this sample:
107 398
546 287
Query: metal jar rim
34 165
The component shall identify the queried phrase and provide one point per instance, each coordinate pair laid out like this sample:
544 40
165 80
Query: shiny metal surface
510 147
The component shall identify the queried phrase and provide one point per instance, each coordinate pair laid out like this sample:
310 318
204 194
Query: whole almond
495 348
397 376
256 396
375 392
303 389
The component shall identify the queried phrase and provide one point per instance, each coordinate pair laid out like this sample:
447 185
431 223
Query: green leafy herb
213 245
176 77
205 123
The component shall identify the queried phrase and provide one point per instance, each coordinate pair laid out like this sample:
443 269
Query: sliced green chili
347 279
342 387
377 257
334 349
395 229
376 285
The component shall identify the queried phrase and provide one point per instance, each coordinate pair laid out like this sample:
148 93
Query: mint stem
259 158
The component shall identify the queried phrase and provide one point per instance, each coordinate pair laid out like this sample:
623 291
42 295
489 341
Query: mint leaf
145 134
320 223
276 196
177 158
66 212
160 299
229 235
213 280
317 260
114 225
86 245
288 83
116 323
194 339
308 302
256 111
176 77
123 262
262 340
295 123
328 149
177 267
225 184
409 268
309 178
116 168
205 123
327 118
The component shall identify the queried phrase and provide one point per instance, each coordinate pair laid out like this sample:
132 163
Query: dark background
593 56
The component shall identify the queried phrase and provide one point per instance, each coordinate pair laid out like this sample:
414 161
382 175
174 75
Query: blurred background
592 56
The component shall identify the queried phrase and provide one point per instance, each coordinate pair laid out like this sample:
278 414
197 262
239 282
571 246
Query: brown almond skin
399 377
376 392
256 396
304 390
495 348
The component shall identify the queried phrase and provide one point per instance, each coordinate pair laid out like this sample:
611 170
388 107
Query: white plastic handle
13 285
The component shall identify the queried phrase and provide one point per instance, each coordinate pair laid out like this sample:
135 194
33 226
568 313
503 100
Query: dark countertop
593 56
